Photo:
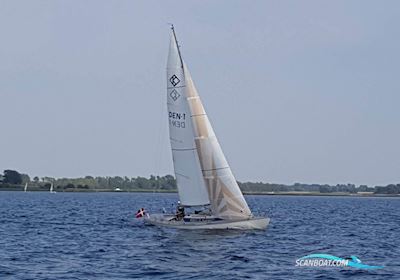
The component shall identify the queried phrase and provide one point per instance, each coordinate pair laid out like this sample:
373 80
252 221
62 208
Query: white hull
165 221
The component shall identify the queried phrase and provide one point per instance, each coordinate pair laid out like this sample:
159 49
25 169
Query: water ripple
95 236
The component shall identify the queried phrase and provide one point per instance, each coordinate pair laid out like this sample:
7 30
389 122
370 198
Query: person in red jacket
140 213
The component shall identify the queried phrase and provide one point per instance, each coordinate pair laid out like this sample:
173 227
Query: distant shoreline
13 180
323 194
364 194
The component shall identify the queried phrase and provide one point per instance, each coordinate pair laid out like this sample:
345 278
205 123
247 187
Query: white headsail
191 186
226 198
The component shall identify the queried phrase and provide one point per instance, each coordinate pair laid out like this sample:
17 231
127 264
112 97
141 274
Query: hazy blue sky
297 91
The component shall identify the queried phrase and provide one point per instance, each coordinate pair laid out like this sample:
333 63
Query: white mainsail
51 187
191 186
200 165
26 187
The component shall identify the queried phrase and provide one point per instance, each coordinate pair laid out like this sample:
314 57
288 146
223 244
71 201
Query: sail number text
177 119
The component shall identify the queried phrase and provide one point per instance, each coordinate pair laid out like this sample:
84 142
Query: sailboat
26 187
204 178
52 188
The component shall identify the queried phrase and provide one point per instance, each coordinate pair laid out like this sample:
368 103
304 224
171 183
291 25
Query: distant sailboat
203 175
26 187
52 188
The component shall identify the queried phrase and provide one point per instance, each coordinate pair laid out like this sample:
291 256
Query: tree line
12 179
318 188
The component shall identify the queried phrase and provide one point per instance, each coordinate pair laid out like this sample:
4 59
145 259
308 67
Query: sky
297 91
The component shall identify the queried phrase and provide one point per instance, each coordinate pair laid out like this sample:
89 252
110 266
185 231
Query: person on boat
180 212
140 213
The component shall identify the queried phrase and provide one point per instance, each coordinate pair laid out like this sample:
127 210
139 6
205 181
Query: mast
177 45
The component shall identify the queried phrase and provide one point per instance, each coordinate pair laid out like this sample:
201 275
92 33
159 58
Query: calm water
95 236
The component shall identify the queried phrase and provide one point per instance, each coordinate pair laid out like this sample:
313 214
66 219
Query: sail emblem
174 94
174 80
